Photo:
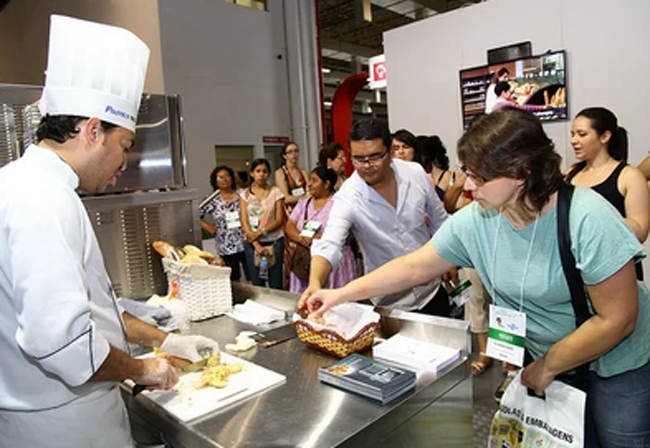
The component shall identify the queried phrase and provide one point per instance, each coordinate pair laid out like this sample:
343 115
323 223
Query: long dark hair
326 175
512 143
283 153
432 153
498 74
254 164
603 120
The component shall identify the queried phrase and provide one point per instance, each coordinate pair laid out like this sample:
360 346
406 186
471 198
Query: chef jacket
58 313
385 232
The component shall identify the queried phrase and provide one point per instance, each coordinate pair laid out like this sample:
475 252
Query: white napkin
254 313
346 319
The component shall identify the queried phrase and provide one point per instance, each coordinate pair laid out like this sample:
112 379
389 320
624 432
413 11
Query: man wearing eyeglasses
391 208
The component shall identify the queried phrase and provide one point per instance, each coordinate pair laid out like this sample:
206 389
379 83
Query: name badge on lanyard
462 293
232 220
298 191
507 335
310 228
254 221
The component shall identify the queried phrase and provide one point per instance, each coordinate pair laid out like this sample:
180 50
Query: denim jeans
275 271
618 410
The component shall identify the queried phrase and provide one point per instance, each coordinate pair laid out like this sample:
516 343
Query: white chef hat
94 70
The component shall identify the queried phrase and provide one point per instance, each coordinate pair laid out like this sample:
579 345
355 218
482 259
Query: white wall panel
222 59
608 63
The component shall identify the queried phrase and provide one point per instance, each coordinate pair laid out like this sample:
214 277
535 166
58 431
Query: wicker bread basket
333 343
339 323
206 290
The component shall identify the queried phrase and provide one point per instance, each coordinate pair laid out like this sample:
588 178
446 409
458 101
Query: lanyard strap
526 264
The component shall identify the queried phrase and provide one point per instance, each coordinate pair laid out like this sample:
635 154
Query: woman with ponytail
601 147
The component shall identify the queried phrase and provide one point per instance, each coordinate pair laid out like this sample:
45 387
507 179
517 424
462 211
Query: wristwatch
264 232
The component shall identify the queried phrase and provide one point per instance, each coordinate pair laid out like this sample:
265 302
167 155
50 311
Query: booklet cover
369 377
416 353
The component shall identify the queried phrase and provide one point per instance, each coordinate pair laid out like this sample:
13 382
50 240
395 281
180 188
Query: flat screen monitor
538 84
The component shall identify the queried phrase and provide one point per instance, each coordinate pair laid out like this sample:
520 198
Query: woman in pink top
314 212
261 210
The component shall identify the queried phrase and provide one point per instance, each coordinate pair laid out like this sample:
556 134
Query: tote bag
525 421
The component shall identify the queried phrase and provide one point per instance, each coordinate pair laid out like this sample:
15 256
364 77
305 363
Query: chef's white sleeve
50 296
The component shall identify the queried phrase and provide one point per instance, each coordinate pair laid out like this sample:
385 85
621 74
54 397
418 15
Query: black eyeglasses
478 180
371 159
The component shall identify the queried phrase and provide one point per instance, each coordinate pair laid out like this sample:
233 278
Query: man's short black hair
369 128
63 127
502 86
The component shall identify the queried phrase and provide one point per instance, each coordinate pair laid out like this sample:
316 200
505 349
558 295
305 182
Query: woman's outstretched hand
322 300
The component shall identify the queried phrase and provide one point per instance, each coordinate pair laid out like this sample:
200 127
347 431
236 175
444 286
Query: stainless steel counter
305 413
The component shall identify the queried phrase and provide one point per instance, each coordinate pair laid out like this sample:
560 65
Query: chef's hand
537 376
321 301
189 347
157 373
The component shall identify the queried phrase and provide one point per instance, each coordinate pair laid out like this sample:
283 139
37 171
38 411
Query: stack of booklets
415 354
368 377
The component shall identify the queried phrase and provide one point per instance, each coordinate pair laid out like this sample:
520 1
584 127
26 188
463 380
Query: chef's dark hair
511 143
369 128
502 86
63 127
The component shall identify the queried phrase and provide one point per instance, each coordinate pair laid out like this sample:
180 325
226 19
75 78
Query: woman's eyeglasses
372 159
478 180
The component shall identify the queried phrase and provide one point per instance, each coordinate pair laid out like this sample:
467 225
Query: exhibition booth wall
604 43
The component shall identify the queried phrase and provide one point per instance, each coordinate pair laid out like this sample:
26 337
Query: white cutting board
188 403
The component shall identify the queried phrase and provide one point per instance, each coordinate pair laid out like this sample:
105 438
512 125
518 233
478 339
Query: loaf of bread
167 250
187 254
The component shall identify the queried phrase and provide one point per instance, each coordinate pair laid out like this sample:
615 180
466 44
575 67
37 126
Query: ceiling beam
346 47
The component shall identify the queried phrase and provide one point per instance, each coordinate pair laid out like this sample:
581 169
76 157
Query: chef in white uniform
63 337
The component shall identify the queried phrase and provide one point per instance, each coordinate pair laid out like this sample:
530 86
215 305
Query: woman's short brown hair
512 143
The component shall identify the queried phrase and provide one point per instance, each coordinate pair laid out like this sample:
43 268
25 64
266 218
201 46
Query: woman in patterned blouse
220 217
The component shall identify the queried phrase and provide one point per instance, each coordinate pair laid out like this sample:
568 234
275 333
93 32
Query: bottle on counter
264 268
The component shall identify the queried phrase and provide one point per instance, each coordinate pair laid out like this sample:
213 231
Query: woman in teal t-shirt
509 235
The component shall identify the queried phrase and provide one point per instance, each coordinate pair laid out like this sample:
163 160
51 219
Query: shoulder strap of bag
307 208
574 280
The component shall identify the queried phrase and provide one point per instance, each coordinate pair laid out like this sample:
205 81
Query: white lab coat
58 313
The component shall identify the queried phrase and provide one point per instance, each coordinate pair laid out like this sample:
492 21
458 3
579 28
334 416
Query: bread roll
193 259
167 250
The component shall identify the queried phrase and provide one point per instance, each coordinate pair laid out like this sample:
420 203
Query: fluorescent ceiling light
326 70
327 103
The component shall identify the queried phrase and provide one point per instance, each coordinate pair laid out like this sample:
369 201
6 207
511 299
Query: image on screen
537 84
539 81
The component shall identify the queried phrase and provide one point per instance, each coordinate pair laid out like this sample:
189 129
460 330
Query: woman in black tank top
602 148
